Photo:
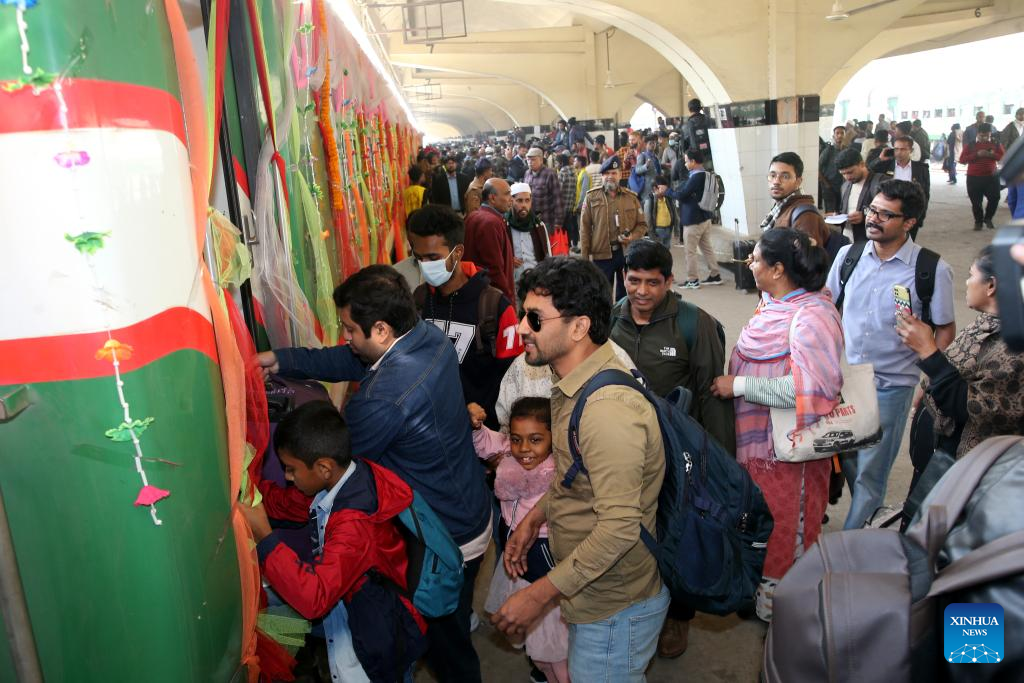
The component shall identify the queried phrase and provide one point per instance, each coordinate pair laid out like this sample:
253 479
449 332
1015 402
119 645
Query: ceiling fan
839 14
608 82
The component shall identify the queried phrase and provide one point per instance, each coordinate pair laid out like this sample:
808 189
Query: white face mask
436 273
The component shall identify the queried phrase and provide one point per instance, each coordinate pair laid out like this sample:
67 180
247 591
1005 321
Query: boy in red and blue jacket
373 631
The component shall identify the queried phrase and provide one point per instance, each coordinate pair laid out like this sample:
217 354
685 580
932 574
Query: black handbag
539 560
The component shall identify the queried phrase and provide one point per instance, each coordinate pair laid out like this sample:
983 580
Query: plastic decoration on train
155 239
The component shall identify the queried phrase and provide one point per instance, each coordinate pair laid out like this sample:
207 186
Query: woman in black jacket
973 390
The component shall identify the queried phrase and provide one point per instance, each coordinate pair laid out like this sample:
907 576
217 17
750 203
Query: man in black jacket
895 163
830 182
697 130
517 165
859 187
449 186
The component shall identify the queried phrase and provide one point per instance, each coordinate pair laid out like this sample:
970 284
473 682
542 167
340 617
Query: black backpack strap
846 270
605 378
487 319
686 321
924 281
419 297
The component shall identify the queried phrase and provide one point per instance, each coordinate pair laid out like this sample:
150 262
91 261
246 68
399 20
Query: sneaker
537 676
691 284
474 622
712 280
989 224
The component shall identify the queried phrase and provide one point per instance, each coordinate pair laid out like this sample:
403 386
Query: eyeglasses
784 177
882 213
534 320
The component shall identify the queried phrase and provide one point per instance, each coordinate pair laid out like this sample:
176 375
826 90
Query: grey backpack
866 605
709 198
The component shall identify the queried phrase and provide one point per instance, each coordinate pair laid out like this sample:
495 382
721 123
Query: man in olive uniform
611 217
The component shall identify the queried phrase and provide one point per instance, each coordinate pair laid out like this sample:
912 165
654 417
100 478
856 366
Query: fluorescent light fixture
837 13
343 8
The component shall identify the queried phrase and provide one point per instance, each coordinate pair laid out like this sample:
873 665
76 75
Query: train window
1007 108
950 112
938 113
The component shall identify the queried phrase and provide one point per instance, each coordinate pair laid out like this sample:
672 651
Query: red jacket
488 245
981 166
361 535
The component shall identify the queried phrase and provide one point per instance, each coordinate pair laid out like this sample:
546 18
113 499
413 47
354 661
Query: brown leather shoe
675 636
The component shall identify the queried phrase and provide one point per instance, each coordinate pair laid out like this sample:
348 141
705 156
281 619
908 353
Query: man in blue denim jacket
408 415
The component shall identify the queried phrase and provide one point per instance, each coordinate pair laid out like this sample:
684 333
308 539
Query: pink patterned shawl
812 356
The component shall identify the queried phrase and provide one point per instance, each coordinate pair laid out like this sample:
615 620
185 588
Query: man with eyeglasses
896 162
608 584
865 297
792 209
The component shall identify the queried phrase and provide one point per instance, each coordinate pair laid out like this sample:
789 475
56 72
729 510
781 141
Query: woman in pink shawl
787 356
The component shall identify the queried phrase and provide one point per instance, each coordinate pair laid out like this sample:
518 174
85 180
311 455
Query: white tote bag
852 425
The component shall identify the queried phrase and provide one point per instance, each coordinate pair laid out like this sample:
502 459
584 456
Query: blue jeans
619 648
663 235
867 473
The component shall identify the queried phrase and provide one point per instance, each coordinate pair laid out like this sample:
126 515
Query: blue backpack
713 522
434 574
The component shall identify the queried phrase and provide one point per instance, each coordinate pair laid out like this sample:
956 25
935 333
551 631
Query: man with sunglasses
861 282
608 584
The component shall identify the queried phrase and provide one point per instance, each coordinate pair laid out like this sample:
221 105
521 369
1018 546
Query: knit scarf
769 221
812 355
512 482
995 404
525 225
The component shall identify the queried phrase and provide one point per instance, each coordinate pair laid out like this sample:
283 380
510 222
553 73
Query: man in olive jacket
674 344
649 325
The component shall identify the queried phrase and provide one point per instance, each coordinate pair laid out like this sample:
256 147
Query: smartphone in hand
901 297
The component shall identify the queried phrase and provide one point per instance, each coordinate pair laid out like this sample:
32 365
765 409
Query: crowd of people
471 354
905 150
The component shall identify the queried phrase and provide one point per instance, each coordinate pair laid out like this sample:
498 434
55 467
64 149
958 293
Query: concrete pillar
751 133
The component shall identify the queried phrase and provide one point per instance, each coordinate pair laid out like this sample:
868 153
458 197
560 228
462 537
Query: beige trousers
698 236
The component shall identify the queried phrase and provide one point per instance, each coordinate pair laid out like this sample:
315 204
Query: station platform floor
729 649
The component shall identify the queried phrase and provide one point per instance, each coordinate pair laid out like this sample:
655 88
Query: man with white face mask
458 298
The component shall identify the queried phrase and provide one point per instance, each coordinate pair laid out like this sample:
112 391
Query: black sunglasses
534 320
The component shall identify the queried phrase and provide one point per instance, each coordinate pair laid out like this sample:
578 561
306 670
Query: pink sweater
518 490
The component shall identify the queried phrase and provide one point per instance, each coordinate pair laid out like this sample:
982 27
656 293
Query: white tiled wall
742 156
